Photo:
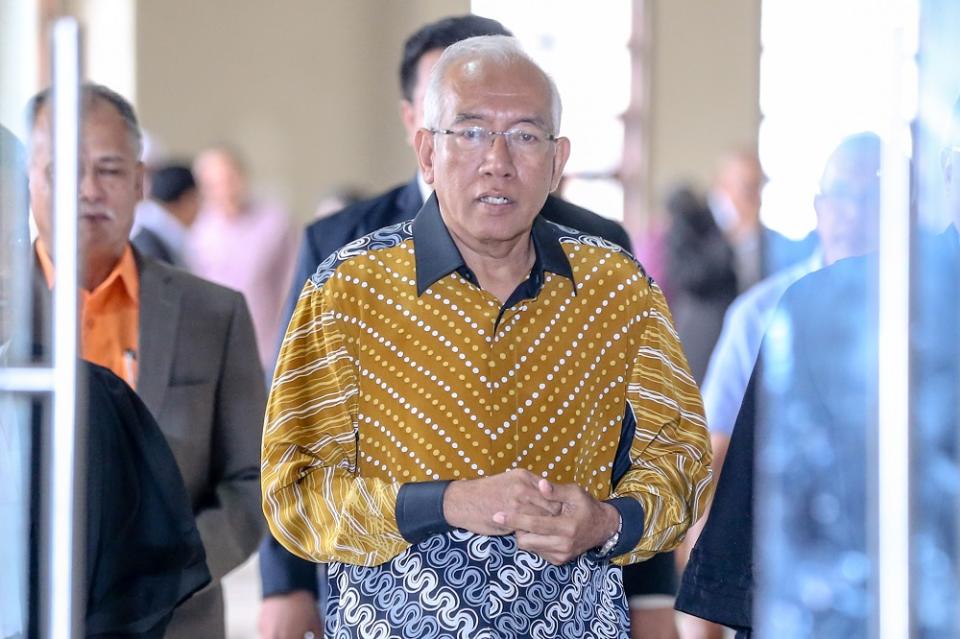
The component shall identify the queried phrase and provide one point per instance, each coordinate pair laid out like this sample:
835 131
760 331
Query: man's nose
90 189
498 158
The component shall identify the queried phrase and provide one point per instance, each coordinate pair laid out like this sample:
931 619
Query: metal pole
65 472
894 619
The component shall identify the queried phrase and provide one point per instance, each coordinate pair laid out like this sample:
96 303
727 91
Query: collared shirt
398 374
737 347
109 316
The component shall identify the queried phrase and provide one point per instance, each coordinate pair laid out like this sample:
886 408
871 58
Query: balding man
185 345
478 416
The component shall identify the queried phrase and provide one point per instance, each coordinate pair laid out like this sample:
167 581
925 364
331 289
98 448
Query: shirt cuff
631 529
420 510
282 572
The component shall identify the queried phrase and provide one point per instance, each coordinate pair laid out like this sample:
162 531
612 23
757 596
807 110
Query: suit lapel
159 316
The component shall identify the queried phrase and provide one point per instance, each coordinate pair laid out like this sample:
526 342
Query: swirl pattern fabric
469 586
387 237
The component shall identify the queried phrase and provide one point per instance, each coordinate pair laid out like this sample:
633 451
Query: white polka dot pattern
376 387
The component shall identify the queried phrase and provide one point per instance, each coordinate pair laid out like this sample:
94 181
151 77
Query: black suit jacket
144 553
282 571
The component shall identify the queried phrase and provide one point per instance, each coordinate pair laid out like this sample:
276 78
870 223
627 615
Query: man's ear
424 144
560 156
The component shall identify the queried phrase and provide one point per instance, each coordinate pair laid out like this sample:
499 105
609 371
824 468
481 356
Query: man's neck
95 270
501 266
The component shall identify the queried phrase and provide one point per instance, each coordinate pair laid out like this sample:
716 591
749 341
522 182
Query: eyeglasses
526 141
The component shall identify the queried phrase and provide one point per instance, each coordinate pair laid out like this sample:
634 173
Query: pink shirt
254 253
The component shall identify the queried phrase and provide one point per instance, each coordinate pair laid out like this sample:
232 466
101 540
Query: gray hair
501 50
90 93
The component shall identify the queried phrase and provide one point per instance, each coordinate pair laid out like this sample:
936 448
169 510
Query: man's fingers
537 505
546 488
557 550
538 524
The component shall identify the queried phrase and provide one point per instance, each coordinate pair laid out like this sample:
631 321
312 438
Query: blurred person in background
718 248
162 228
242 243
337 199
290 584
734 200
701 269
847 208
184 344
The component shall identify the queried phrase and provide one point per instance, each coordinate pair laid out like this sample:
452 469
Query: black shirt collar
437 256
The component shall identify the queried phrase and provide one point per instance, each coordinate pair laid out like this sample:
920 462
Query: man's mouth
96 216
497 200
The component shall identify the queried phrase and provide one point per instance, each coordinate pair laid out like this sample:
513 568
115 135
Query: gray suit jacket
200 375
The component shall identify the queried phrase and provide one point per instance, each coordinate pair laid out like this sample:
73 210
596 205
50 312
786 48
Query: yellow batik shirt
397 369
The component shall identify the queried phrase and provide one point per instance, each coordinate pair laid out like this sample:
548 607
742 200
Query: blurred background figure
847 208
162 227
717 248
14 442
734 202
336 200
701 270
242 243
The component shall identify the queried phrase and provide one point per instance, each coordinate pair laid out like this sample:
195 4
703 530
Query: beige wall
704 92
307 89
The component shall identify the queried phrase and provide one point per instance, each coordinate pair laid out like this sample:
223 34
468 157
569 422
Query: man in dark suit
163 221
186 345
289 583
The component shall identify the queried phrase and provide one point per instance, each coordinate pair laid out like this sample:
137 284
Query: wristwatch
610 544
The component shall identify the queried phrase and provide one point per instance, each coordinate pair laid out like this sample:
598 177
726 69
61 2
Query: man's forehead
102 129
479 87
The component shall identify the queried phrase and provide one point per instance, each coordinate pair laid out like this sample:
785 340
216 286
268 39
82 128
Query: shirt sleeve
729 369
317 504
669 472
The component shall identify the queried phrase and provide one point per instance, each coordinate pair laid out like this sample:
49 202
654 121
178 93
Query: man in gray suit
186 345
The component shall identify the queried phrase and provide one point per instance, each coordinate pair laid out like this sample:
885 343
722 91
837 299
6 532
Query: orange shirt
109 316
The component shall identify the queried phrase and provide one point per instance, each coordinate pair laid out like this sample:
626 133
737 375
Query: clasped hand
558 522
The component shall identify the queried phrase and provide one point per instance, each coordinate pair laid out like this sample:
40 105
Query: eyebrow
110 159
534 120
